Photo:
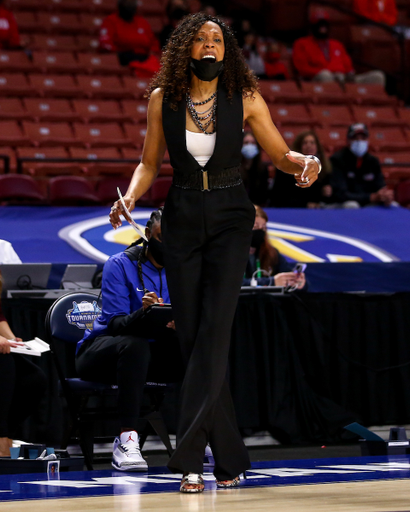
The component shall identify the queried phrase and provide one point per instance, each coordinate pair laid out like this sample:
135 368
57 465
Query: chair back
66 320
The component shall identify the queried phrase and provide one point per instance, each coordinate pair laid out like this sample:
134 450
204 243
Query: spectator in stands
241 28
382 11
357 179
9 34
263 256
252 55
176 10
274 68
7 253
285 194
318 57
22 385
118 349
130 35
254 171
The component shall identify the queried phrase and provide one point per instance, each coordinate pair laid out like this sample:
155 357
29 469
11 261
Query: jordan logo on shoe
130 438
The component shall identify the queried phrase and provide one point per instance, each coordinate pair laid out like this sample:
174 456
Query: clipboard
127 216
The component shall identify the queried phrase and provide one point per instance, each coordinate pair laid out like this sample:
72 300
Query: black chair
66 321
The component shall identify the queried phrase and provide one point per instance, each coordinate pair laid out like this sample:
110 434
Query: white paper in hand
128 218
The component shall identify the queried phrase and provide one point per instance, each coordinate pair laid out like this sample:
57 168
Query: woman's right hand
5 345
149 299
117 210
290 279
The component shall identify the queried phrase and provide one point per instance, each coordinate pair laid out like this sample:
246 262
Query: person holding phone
265 260
118 350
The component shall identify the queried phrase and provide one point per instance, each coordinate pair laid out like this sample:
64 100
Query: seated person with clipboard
118 350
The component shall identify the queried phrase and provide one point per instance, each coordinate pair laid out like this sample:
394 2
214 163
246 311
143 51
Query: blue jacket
122 290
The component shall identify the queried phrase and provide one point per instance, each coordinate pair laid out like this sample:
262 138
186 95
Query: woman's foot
4 447
228 484
192 482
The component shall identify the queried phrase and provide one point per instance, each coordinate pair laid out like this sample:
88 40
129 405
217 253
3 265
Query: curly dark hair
174 75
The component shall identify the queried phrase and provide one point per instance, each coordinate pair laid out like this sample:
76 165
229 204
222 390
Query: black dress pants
206 238
22 385
121 360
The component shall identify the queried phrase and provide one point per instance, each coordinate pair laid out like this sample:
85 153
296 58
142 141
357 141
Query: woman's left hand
310 169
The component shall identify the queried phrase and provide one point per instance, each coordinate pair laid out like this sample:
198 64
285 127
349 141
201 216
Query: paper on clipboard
128 218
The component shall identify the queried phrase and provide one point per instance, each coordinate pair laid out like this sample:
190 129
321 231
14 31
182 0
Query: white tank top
200 145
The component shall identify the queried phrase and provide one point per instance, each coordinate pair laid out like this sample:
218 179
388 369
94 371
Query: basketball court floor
362 484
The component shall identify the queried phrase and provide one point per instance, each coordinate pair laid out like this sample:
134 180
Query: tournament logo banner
83 314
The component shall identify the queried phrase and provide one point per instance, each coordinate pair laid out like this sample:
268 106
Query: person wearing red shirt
9 34
131 37
318 57
382 11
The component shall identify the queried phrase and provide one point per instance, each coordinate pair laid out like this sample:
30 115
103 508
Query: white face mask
249 151
359 147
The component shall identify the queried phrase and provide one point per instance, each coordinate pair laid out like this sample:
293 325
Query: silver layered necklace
205 118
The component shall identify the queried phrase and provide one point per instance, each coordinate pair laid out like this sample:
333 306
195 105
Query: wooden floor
373 496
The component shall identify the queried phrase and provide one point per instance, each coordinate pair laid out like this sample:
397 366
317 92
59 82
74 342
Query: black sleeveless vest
228 144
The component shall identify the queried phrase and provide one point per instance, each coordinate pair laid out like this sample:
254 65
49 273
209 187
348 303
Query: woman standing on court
199 102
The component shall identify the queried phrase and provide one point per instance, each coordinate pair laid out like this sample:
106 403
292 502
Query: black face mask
317 29
206 71
127 12
157 250
258 236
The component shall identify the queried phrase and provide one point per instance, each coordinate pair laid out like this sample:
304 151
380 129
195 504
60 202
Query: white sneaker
126 454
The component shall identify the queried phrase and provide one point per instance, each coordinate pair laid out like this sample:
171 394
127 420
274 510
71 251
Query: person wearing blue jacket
117 349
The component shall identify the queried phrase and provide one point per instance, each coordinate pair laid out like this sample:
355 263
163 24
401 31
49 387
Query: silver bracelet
316 159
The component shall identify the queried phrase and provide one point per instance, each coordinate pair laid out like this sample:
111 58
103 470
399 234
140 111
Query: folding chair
65 323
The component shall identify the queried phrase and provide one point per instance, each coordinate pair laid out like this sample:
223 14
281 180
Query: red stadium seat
404 115
59 22
27 21
55 62
151 7
19 189
135 111
87 43
331 115
71 191
15 84
137 88
156 23
282 92
377 116
132 153
333 138
160 189
53 43
105 63
369 94
102 6
29 5
136 133
395 166
65 5
91 23
100 135
6 151
388 139
166 170
12 135
106 188
41 168
403 193
101 86
324 92
50 109
55 86
289 133
16 62
289 114
12 108
98 110
50 134
95 168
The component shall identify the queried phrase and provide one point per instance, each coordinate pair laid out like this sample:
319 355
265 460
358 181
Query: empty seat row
38 109
72 23
68 86
60 62
313 92
99 6
74 190
65 134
